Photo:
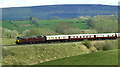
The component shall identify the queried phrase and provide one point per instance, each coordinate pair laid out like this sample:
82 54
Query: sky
22 3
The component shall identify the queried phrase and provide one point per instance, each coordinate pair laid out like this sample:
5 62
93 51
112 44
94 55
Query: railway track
38 44
50 43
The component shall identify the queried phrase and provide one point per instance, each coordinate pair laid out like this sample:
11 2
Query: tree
72 31
35 22
9 34
104 23
87 43
61 26
38 32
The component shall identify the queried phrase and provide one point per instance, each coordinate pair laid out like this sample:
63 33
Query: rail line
50 43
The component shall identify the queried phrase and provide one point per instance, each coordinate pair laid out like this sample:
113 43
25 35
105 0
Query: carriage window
112 35
59 37
80 36
87 36
83 36
76 36
108 35
48 37
64 37
52 37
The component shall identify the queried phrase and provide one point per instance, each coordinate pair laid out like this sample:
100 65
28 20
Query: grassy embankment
30 55
98 58
7 41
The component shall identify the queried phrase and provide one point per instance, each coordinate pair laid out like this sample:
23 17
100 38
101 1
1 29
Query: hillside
61 11
22 25
38 53
34 54
97 58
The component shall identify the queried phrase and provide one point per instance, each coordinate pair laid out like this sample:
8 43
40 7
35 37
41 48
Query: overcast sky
19 3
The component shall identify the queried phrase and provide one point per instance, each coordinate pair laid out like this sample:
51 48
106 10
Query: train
65 38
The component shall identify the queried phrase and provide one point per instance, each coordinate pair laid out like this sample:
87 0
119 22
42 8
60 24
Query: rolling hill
97 58
61 11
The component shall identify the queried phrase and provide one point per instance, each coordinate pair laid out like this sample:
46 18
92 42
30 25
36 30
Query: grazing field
22 25
8 25
98 58
22 22
76 23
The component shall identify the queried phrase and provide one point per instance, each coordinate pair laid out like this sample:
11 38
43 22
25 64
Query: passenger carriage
57 38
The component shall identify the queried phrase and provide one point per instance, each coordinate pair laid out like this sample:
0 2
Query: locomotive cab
17 40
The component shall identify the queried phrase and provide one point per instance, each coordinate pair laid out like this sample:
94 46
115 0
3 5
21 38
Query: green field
7 41
39 53
22 25
7 24
22 22
76 23
0 23
30 55
98 58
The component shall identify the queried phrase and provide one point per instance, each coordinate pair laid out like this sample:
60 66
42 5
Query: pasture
75 22
7 24
22 25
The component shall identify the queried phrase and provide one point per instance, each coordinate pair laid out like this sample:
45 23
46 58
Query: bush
107 45
9 34
26 55
87 43
104 23
61 26
99 46
89 31
110 45
5 52
38 32
72 31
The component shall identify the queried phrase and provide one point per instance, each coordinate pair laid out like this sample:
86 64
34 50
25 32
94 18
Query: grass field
21 29
0 23
29 55
6 41
22 25
7 24
50 23
98 58
38 53
22 22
